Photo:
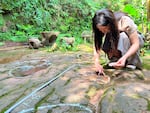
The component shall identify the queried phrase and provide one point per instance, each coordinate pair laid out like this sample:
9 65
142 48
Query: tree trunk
148 10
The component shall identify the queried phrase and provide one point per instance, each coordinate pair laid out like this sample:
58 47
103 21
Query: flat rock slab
126 98
58 82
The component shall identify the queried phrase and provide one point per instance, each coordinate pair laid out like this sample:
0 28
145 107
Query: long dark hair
105 17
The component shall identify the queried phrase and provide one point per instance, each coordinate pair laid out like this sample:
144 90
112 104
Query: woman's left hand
120 63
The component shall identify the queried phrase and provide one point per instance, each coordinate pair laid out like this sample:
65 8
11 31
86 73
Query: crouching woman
116 34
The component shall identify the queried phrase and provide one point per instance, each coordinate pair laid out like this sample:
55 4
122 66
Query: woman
121 40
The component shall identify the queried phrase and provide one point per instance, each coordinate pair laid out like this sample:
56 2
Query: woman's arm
132 50
99 68
127 25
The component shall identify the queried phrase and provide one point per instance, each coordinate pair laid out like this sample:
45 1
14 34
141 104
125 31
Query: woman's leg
123 45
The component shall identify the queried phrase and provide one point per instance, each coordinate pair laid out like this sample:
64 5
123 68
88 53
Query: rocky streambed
42 82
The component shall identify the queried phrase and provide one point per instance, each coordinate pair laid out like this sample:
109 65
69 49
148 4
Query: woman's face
103 29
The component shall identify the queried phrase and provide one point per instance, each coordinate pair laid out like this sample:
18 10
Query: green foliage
30 17
19 37
1 43
129 8
146 64
20 34
63 46
5 36
1 20
133 12
67 16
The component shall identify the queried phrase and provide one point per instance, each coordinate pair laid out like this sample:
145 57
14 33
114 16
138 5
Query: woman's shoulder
119 14
126 19
127 24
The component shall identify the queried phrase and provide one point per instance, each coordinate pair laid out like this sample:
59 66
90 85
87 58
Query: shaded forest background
21 19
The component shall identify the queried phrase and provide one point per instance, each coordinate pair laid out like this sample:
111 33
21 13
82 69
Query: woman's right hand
99 68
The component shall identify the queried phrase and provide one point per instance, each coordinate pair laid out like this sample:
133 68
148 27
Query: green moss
62 99
44 99
11 91
112 95
67 82
91 91
146 65
148 105
146 60
148 102
13 102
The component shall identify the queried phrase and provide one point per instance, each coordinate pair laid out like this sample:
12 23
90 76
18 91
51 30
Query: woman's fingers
116 65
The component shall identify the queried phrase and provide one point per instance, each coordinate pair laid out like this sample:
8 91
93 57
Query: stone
49 37
87 36
68 40
34 43
126 98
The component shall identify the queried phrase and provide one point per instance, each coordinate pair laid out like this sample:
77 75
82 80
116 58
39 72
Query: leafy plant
1 20
5 36
31 17
62 45
1 43
130 9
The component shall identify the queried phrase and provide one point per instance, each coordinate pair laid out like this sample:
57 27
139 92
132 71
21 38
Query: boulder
49 37
34 43
87 36
68 40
